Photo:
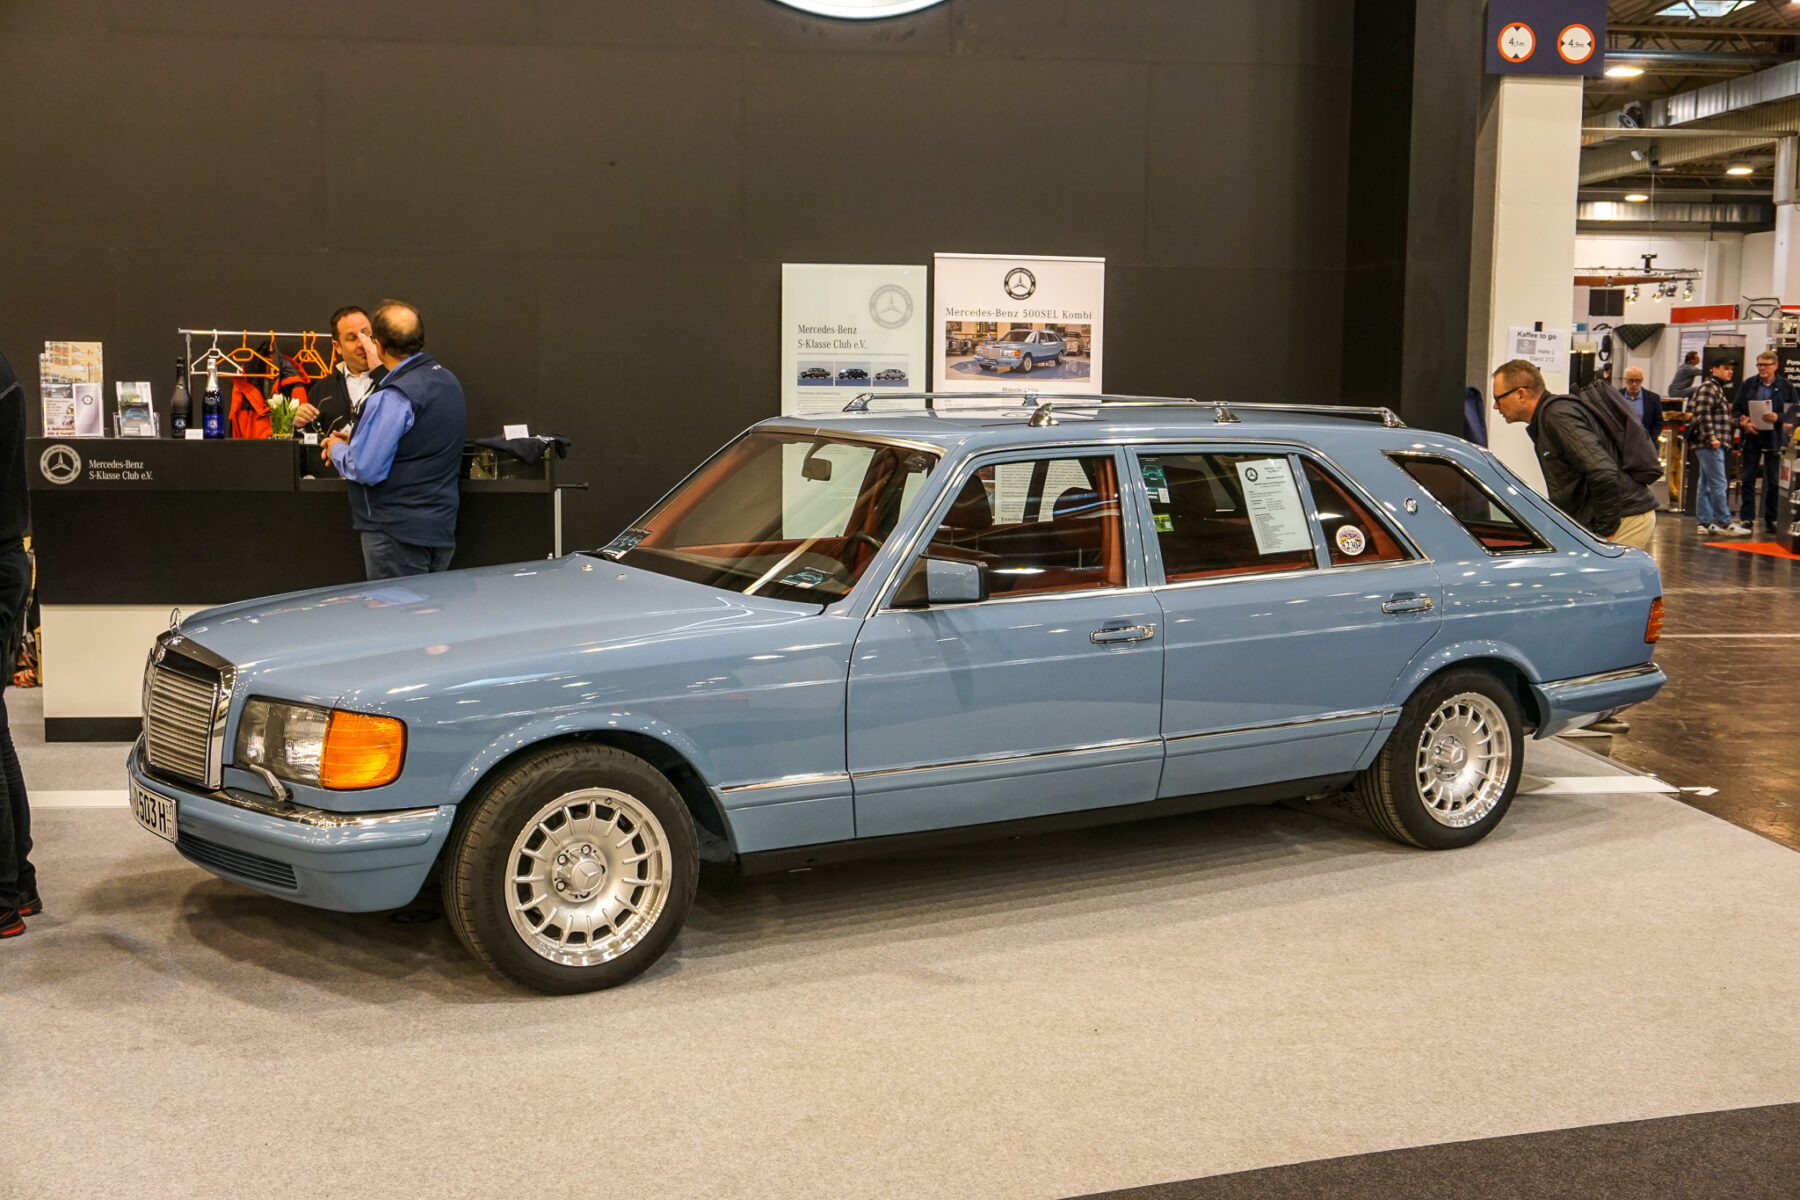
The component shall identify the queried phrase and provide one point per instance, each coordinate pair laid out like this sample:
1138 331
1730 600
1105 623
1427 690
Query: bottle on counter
181 409
212 405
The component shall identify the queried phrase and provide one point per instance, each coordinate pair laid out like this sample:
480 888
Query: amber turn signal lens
1653 626
361 751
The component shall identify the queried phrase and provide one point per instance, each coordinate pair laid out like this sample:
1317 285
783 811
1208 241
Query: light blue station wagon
848 634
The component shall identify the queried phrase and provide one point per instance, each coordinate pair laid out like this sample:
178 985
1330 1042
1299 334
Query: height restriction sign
1576 45
1546 37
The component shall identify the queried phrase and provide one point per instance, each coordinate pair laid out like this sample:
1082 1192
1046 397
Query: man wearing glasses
1581 467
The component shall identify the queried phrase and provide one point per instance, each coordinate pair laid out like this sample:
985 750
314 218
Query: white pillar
1536 143
1785 277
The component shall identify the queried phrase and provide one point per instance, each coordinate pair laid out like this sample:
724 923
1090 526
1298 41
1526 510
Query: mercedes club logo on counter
891 305
60 464
1020 284
860 10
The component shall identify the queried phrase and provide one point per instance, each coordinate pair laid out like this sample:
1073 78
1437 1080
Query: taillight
1653 626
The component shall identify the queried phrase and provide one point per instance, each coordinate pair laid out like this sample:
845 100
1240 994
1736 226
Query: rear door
1290 607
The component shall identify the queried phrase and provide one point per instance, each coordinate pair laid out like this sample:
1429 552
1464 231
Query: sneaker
31 904
11 925
1708 530
1737 529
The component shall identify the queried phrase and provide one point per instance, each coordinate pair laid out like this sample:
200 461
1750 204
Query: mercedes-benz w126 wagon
841 635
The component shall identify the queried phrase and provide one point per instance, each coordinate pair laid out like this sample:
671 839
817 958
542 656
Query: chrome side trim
985 759
1327 718
318 818
1556 686
1088 593
785 781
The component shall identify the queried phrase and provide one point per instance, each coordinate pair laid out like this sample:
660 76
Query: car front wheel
1451 766
1025 364
574 871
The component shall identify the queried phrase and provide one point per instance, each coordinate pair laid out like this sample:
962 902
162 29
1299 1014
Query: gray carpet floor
1032 1018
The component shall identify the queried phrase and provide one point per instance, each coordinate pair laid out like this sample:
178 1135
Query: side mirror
943 581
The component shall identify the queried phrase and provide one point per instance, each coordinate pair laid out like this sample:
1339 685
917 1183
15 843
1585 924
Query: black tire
1390 791
478 867
1025 365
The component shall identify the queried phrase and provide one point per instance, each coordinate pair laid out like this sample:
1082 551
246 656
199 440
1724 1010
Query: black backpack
1631 442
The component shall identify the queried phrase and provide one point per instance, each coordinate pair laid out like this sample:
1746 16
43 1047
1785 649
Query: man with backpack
1594 454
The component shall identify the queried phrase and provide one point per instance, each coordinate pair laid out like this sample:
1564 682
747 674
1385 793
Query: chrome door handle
1406 604
1122 633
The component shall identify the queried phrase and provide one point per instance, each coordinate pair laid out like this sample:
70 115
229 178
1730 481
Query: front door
1046 697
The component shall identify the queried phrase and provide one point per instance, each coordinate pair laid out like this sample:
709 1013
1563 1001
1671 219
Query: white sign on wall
1009 323
1545 349
849 329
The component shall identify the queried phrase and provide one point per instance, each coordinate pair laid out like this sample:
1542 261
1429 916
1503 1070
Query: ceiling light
1637 198
1743 170
1624 72
1687 292
1633 293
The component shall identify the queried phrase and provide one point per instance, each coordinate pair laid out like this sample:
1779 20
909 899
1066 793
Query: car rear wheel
574 871
1451 766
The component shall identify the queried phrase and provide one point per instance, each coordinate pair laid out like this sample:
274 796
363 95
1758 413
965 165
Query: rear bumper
1569 703
351 862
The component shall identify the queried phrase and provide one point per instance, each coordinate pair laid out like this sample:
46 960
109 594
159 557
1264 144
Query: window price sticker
1277 517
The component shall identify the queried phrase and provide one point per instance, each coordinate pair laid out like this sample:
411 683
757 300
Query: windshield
1016 335
793 516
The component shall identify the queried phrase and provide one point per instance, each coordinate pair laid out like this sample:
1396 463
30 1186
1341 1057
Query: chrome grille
182 714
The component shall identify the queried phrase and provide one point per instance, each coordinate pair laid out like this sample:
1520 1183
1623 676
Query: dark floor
1728 718
1743 1154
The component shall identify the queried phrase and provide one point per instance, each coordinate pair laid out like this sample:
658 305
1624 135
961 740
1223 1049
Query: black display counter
125 528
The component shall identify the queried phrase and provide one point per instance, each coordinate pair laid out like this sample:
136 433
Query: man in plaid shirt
1710 432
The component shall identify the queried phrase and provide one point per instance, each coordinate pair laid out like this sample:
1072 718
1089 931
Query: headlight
326 748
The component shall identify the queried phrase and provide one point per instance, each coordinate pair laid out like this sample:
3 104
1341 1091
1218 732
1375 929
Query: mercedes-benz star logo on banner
860 10
60 464
891 306
1020 284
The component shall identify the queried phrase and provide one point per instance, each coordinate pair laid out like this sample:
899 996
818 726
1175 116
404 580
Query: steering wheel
863 536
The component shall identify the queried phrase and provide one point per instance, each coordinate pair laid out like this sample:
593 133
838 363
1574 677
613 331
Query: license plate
155 813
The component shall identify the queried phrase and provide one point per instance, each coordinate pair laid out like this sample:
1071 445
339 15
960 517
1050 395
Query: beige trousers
1635 531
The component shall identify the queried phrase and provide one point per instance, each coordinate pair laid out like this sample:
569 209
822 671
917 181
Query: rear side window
1478 510
1219 515
1352 533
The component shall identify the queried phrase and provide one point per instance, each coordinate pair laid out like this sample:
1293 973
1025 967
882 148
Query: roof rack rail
1224 412
1039 405
1023 401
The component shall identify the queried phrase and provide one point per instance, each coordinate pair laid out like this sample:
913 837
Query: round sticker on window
1351 541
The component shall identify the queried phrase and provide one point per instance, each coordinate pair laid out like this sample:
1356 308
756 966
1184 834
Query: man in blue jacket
1759 442
404 460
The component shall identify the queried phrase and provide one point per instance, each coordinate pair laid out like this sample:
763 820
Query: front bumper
351 862
1566 704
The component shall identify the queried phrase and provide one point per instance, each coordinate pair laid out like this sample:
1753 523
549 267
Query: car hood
458 624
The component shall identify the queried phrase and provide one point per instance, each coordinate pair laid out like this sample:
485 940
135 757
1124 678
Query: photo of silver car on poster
1010 323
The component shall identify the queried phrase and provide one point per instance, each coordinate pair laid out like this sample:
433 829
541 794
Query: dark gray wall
1416 105
590 201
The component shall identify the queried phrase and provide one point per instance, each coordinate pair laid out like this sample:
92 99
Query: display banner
849 329
1012 323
